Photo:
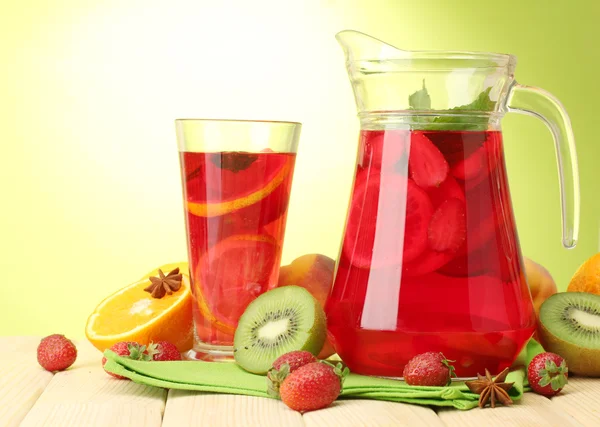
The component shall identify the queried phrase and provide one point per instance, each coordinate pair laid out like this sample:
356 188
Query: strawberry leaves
138 352
340 370
275 378
547 374
448 364
553 375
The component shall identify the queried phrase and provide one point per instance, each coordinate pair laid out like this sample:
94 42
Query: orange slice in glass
223 191
131 314
232 274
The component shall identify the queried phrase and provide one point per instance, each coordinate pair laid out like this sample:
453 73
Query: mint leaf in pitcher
420 100
457 119
467 121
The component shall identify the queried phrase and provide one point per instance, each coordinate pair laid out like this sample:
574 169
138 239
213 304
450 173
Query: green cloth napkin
231 379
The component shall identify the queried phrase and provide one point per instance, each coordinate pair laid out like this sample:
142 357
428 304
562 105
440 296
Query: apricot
314 272
541 284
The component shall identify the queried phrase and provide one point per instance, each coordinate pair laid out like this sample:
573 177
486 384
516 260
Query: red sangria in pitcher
430 257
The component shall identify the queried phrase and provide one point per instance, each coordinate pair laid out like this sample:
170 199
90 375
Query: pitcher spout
360 46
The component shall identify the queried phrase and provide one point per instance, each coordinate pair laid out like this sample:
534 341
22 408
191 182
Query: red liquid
430 259
236 206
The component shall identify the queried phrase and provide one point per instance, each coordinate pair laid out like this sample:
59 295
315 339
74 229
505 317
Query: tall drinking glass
236 177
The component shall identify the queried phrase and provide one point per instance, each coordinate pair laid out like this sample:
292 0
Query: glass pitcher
430 257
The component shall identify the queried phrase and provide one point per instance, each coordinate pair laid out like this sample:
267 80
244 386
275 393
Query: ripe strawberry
129 349
547 374
429 369
163 351
56 353
285 365
313 386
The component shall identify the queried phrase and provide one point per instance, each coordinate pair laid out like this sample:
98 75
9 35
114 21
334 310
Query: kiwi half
570 326
277 322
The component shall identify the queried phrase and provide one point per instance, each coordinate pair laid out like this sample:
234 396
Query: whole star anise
163 285
491 389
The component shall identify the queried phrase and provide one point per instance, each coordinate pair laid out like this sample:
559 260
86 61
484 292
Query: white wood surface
85 395
532 411
185 408
22 380
581 400
371 413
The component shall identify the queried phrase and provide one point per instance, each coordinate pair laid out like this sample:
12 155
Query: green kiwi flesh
277 322
570 327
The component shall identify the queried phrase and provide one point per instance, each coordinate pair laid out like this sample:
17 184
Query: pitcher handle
543 105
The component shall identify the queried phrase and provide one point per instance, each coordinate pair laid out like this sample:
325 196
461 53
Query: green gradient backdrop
90 177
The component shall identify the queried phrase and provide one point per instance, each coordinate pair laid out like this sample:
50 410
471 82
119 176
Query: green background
90 174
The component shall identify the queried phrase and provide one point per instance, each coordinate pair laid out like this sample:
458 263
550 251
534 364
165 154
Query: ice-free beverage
430 259
236 206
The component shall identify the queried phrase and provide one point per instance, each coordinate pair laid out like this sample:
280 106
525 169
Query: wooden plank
581 399
532 411
22 381
367 413
85 395
188 408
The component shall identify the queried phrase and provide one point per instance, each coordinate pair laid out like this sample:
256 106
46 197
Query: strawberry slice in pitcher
449 189
475 167
447 228
221 183
387 221
232 274
446 234
457 145
428 167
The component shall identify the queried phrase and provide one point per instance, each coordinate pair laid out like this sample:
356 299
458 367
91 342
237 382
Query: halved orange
232 274
131 314
224 191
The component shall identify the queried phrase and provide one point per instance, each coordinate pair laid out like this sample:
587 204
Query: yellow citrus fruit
587 277
132 314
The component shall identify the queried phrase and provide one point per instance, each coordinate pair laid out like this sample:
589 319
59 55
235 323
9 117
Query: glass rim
241 121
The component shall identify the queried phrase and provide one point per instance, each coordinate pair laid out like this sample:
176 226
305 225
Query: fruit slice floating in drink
402 203
239 180
428 167
232 274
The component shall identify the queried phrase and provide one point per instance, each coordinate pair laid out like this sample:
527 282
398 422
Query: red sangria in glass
237 178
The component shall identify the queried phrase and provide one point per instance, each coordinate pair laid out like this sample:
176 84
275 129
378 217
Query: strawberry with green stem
547 374
313 386
131 350
285 365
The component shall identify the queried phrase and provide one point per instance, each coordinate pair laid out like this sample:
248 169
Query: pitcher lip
499 60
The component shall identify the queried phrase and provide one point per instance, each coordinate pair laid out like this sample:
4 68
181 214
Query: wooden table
85 396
